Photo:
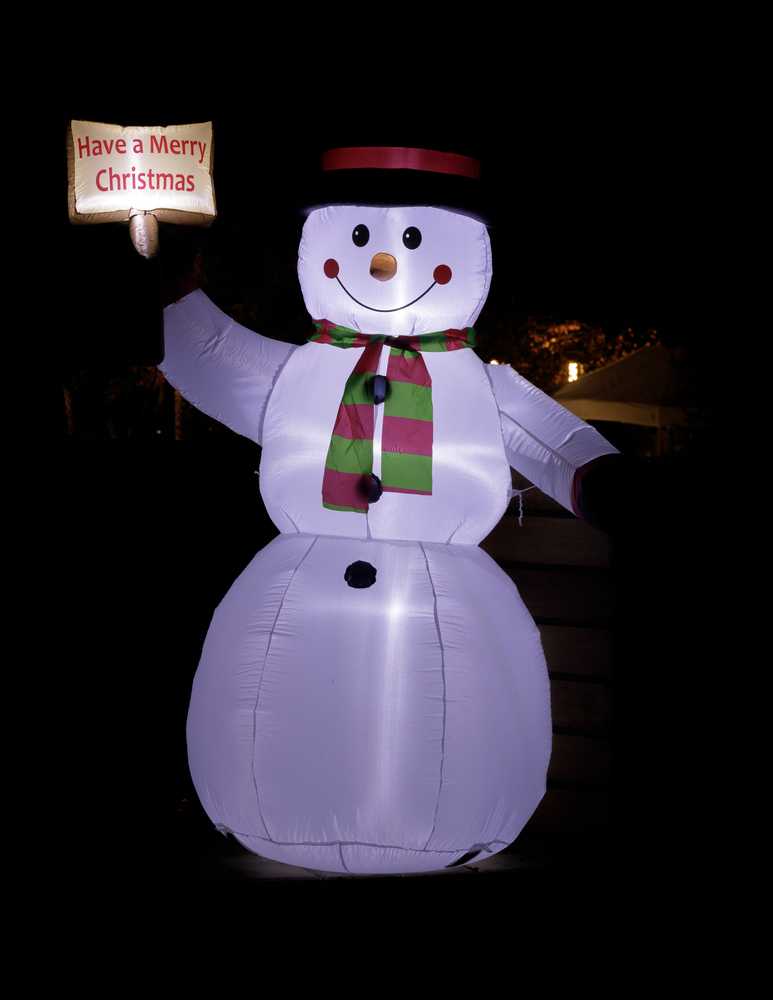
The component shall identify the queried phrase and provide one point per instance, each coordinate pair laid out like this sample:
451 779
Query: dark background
126 546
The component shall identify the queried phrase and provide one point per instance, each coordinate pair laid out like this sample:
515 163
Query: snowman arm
220 367
543 441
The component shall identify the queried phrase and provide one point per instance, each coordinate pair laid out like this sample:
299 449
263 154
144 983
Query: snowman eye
411 237
360 236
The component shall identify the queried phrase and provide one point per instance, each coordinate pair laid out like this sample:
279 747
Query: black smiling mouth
372 309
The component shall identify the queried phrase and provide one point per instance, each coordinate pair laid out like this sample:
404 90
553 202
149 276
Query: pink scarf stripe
407 436
354 421
345 490
409 369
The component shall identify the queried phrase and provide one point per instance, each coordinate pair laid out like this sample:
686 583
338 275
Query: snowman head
399 271
404 265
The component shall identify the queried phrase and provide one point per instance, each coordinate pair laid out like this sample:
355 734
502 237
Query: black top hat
400 175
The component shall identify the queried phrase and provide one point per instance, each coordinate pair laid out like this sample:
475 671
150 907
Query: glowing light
573 371
493 362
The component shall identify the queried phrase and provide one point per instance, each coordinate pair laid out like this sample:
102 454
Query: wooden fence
562 568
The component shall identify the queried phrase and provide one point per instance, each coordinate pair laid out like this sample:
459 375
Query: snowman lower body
402 727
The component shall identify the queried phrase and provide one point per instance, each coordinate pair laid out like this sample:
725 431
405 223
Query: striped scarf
406 439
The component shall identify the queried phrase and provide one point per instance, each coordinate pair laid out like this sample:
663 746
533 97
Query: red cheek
441 274
331 268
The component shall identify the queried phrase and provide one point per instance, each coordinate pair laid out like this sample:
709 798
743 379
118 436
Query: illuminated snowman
372 694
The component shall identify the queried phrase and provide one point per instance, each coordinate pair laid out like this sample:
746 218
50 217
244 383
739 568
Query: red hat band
399 158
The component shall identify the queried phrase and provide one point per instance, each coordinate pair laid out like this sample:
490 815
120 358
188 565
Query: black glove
612 495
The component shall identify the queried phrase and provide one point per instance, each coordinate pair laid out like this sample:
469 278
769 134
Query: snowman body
403 726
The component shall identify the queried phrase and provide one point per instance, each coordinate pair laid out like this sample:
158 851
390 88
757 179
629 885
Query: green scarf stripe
347 455
407 400
359 389
406 472
340 336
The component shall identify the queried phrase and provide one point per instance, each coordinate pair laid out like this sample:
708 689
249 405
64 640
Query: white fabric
403 726
390 729
223 369
543 440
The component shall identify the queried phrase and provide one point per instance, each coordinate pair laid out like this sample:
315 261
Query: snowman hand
606 493
177 288
179 246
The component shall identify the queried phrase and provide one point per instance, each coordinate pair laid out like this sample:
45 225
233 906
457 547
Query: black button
379 389
375 490
360 575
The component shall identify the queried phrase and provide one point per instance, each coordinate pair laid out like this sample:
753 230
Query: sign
117 173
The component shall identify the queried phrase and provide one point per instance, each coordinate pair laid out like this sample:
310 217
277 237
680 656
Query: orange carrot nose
383 267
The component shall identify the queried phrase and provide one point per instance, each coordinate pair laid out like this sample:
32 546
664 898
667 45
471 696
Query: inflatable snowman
372 694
